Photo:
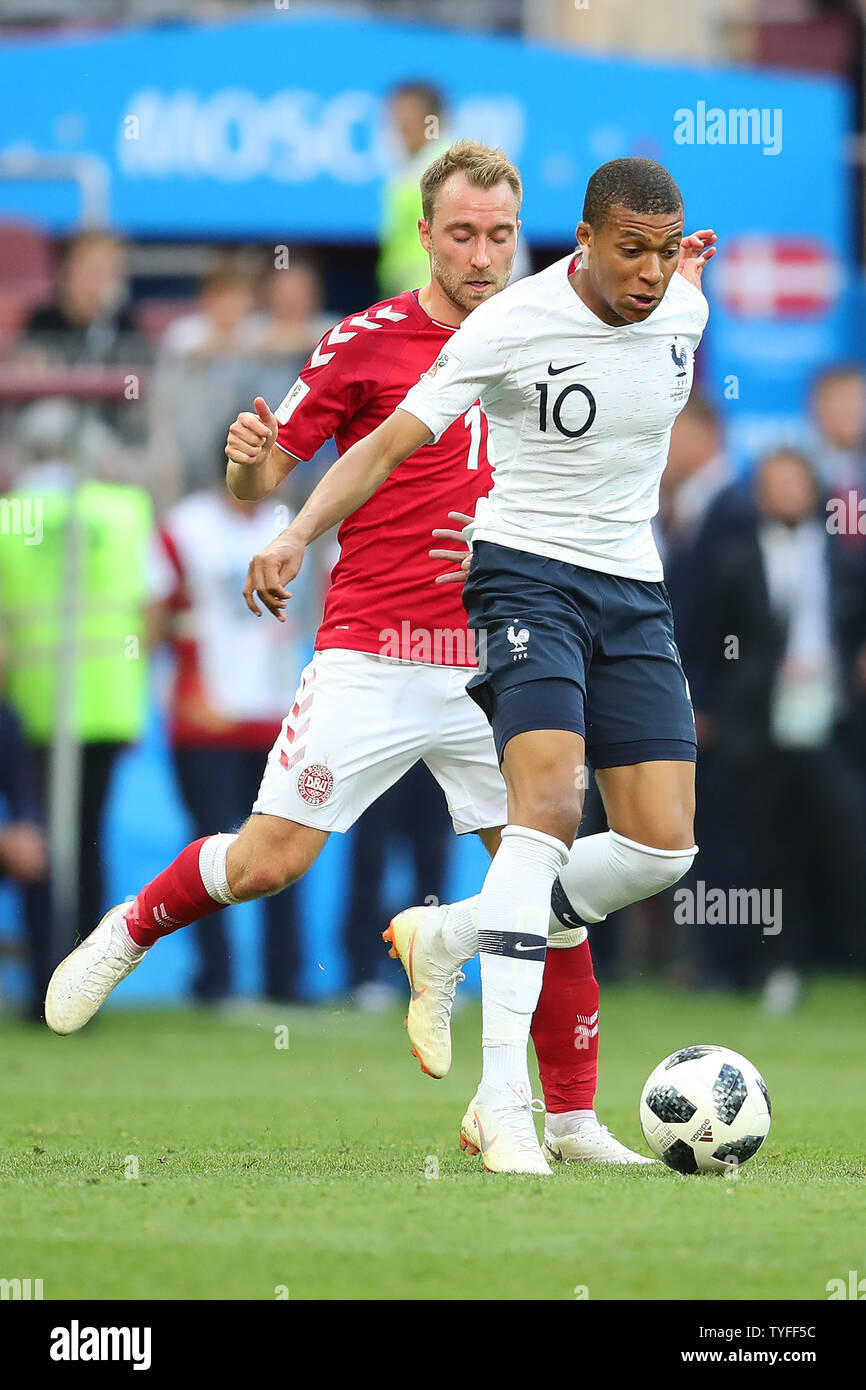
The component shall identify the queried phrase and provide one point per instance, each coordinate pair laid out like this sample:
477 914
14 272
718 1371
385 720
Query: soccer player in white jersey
581 372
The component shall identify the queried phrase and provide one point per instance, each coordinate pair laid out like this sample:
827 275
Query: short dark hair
641 185
429 96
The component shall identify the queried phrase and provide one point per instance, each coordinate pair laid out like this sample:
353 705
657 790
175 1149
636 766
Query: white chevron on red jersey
383 598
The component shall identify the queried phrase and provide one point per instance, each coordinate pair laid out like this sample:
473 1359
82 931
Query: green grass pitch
309 1171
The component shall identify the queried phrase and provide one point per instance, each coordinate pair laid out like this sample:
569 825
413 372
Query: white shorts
359 722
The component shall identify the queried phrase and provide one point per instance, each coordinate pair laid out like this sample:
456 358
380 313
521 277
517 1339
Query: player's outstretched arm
256 463
345 487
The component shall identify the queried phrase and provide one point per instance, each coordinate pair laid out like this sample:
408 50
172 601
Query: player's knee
676 838
263 880
264 861
674 866
651 867
669 828
555 811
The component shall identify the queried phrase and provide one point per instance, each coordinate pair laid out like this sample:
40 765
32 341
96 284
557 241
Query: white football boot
500 1126
83 981
415 937
589 1142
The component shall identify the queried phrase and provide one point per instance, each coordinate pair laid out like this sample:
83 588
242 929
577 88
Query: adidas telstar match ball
705 1109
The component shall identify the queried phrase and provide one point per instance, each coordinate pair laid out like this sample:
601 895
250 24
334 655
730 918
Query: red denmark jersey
382 597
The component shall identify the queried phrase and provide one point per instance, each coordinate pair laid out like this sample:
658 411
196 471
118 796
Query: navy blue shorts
562 647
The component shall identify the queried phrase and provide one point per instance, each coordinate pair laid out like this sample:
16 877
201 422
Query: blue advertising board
272 129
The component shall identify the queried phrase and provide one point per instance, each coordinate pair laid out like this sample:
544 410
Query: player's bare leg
267 855
651 803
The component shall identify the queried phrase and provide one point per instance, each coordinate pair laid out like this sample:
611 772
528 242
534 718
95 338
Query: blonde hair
484 168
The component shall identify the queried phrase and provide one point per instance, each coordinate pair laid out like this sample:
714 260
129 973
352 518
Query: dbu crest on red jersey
316 783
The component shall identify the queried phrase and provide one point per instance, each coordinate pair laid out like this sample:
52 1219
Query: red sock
173 899
565 1029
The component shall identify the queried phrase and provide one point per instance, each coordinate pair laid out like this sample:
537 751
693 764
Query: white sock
513 917
607 872
603 873
569 1121
212 867
459 931
121 926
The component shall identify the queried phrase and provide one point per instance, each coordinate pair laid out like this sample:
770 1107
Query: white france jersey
579 413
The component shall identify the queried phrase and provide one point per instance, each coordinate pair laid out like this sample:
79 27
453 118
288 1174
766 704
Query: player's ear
583 235
424 234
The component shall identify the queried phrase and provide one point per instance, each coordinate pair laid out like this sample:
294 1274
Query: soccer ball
705 1109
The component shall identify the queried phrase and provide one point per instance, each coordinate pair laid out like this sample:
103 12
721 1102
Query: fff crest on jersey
682 384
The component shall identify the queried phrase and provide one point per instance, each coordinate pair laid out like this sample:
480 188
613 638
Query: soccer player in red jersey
386 685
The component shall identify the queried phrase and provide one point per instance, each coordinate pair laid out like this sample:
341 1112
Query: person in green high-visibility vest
415 115
414 112
107 703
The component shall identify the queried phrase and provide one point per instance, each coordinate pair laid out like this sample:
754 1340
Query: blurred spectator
292 321
766 664
411 815
220 324
229 697
89 321
23 852
838 408
284 335
697 472
200 382
838 405
414 111
108 704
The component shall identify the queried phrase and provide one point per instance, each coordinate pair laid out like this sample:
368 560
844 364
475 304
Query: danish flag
779 277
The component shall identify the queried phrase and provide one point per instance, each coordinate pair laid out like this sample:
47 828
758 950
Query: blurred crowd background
124 358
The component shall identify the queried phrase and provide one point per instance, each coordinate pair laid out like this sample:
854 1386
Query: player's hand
251 437
271 570
695 251
461 556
